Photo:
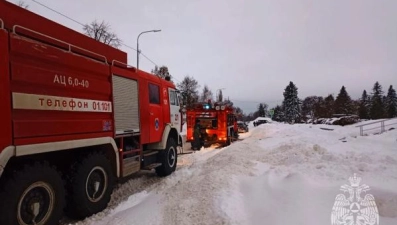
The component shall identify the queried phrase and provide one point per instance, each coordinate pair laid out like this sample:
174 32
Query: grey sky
254 48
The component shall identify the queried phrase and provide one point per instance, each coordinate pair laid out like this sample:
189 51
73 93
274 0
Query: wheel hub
36 204
171 157
96 184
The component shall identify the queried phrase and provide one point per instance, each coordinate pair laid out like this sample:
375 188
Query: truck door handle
151 113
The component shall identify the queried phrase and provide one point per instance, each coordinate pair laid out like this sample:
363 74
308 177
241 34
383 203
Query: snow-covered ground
279 174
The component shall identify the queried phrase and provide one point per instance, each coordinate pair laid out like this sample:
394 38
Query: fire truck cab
75 120
217 120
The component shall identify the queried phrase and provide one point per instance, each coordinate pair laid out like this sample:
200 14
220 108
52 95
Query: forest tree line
374 105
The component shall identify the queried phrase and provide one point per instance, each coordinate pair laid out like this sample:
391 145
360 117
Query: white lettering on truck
70 81
47 102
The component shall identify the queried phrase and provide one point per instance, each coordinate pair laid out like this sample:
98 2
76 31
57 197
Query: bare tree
22 4
206 94
102 32
189 88
162 72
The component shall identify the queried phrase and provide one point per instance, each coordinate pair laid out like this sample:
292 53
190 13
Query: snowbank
263 118
279 174
299 170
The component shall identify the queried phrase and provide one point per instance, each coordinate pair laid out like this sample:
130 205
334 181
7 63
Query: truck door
175 114
156 123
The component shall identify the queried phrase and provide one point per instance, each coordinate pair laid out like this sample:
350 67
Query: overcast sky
254 48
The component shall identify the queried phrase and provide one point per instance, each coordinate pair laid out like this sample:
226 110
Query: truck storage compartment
126 110
57 93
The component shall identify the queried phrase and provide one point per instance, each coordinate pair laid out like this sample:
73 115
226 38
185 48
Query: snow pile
279 174
262 118
300 170
344 120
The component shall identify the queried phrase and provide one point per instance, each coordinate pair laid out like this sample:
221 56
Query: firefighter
235 128
197 139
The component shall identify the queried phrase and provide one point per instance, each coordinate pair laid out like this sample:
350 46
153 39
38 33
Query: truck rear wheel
32 195
90 185
168 159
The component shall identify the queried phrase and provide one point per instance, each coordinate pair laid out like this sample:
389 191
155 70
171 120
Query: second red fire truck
217 120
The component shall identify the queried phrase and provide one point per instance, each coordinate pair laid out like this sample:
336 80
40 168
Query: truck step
131 165
152 166
149 153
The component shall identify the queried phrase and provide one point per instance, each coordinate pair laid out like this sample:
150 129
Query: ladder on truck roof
57 43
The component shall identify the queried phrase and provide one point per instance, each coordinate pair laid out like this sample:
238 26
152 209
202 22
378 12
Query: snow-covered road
279 174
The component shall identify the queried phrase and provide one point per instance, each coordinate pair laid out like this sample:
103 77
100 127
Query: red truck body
63 92
218 122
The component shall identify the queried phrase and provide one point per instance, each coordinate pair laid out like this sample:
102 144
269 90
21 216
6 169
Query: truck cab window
176 99
172 97
154 94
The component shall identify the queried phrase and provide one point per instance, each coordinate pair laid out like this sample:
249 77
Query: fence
383 124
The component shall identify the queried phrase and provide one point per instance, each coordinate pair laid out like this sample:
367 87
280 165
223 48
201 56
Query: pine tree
320 109
391 102
291 103
308 107
329 106
343 102
278 114
262 109
363 111
377 106
355 106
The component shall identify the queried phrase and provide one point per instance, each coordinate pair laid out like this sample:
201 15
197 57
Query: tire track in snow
195 199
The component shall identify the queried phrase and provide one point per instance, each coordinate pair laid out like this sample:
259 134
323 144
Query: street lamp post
137 46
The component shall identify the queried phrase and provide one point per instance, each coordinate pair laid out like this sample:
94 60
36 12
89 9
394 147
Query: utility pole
137 46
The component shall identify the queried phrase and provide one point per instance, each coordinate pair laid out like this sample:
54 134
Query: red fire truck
74 120
217 120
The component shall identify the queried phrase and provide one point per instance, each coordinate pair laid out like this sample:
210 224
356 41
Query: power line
125 45
39 3
58 12
139 53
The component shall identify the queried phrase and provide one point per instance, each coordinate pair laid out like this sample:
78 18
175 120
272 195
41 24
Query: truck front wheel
32 195
90 185
168 159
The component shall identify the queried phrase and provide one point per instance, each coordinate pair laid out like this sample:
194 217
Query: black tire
168 159
81 192
35 189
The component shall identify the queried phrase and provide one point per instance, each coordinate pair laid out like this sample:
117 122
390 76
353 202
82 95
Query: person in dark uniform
197 140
